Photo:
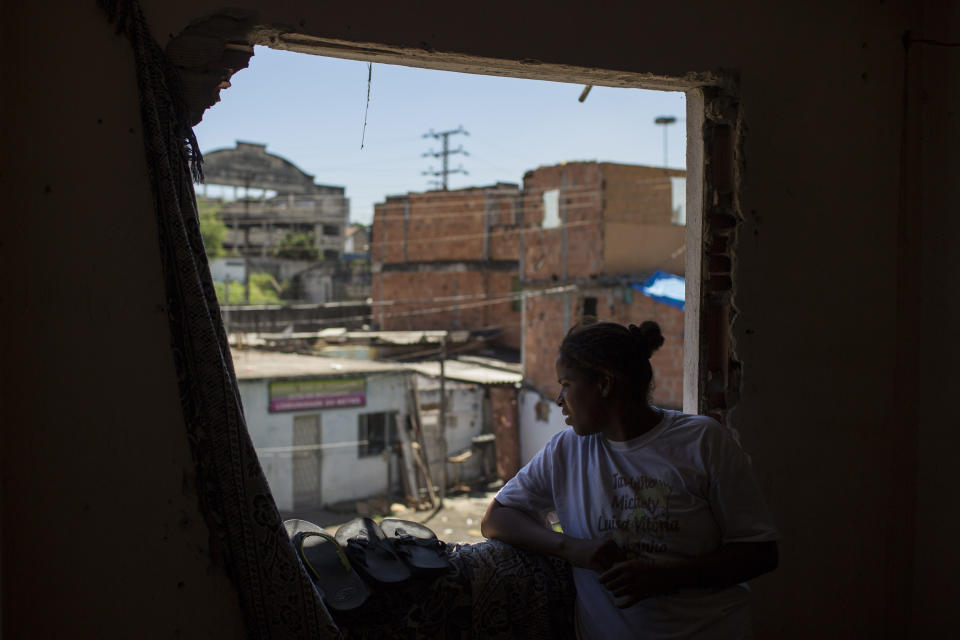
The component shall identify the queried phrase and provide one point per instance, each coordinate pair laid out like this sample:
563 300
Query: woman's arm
517 528
732 563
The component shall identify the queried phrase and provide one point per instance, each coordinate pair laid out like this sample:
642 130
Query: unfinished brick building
593 229
574 239
441 257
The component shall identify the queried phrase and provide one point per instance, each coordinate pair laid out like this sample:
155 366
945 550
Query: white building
540 420
323 427
472 415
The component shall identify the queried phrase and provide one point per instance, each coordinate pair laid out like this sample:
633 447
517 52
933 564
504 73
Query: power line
499 299
444 155
483 300
476 236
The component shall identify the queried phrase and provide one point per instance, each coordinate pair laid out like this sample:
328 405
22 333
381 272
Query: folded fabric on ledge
492 590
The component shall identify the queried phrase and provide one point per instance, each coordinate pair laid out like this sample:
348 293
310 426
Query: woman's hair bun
648 337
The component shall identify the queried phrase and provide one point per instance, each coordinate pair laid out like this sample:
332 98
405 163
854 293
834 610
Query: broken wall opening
710 370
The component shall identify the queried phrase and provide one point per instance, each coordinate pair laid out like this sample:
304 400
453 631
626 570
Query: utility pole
246 238
665 121
443 417
444 155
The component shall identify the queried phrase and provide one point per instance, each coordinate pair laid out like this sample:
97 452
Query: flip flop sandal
367 548
328 565
416 544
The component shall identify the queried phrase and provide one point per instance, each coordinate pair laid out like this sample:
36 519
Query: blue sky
310 110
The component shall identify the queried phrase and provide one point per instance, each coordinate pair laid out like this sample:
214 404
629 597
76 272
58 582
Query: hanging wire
366 110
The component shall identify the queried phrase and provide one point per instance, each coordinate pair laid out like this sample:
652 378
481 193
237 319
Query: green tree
212 228
263 290
297 245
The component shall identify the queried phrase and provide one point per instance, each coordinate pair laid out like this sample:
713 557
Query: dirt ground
457 521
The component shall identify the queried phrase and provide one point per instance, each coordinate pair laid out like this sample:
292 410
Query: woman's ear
605 383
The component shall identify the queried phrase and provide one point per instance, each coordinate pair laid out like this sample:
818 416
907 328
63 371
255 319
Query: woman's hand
596 555
635 580
732 563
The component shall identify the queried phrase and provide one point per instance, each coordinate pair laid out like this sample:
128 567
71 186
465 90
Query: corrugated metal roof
339 334
259 365
467 372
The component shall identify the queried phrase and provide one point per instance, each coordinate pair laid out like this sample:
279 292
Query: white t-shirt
677 492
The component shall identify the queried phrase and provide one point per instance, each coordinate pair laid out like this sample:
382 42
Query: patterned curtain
246 534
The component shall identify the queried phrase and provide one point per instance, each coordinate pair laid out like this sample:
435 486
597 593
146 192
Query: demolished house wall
845 326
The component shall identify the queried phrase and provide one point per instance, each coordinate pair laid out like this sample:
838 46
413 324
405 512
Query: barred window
375 432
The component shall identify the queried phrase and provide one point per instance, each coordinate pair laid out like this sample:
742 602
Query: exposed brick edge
721 220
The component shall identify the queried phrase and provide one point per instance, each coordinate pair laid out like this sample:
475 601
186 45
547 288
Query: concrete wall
220 268
638 234
465 420
540 419
631 247
846 328
100 479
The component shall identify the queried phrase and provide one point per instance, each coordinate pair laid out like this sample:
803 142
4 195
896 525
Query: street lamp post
665 121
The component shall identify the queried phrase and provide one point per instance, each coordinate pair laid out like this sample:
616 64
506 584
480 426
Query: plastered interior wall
934 320
846 328
96 470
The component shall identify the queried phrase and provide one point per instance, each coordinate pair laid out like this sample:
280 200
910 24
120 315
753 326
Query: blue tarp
664 287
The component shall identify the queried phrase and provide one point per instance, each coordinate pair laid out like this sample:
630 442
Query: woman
662 519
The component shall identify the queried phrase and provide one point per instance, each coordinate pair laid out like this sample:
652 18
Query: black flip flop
328 565
416 544
367 548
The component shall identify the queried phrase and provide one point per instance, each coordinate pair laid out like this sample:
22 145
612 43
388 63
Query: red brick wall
447 226
618 219
545 331
582 203
387 230
505 231
416 305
